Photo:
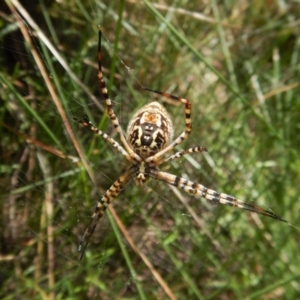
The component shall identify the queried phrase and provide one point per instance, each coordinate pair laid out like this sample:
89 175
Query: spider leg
109 105
188 126
211 195
101 207
181 153
87 123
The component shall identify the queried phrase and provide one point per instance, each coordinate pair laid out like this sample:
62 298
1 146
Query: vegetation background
237 61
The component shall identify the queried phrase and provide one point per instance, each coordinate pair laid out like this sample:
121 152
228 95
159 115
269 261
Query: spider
149 137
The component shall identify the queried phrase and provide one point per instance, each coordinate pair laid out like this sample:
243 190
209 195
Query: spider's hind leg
109 106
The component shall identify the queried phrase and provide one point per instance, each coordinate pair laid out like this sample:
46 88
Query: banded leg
101 207
109 105
87 123
181 153
211 195
188 126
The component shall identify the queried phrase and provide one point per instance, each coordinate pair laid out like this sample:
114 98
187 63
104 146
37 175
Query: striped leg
101 207
87 123
181 153
211 195
184 135
109 105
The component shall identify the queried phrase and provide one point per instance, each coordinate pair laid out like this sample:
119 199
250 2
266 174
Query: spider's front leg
101 207
197 189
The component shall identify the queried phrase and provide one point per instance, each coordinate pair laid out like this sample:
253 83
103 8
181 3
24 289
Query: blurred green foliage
238 63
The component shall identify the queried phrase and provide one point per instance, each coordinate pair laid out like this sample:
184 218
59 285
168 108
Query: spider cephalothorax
149 138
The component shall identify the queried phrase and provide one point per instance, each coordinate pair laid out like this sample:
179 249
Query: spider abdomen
150 130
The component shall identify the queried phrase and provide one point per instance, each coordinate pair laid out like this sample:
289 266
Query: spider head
150 130
141 173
